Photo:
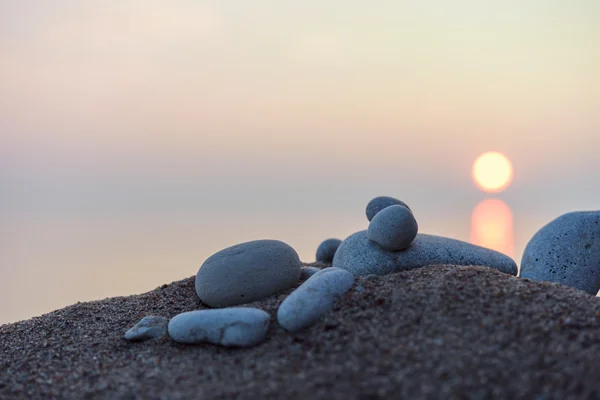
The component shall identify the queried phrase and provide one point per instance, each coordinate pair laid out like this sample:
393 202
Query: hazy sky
230 95
143 135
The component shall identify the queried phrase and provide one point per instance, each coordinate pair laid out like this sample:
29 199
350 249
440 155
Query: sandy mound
436 332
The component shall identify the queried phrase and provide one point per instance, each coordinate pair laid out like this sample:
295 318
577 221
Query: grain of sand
441 332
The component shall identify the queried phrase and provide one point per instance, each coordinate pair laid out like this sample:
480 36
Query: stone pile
565 251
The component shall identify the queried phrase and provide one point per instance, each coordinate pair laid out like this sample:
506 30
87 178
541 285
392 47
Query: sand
437 332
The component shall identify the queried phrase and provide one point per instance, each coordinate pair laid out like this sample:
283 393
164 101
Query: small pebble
307 272
381 202
148 328
327 249
313 299
231 327
393 228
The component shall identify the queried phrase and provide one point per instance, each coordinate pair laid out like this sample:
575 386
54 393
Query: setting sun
492 172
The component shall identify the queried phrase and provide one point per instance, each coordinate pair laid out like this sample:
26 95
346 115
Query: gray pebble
148 328
567 251
247 272
361 256
307 272
381 202
393 228
314 298
327 249
237 327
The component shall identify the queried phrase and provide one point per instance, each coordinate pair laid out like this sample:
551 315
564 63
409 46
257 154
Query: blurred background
138 137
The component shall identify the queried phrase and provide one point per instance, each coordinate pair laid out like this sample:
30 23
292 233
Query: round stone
393 228
567 251
381 202
327 249
315 297
247 272
239 327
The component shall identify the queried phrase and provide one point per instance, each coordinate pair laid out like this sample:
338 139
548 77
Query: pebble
247 272
360 256
327 249
381 202
149 327
307 272
567 251
231 327
314 298
393 228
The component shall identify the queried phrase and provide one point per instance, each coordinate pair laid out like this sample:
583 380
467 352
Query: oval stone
239 327
247 272
393 228
381 202
567 251
315 297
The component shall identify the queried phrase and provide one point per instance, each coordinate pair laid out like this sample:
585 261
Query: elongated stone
359 255
238 327
315 297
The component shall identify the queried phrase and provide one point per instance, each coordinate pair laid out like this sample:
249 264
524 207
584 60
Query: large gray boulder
247 272
566 250
359 255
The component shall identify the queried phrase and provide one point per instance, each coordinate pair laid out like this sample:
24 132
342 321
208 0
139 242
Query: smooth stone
567 251
231 327
307 272
381 202
314 298
148 328
327 249
393 228
247 272
359 255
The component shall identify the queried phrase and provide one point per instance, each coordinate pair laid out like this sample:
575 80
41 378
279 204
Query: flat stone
327 249
231 327
567 251
381 202
247 272
307 272
359 255
393 228
149 327
314 298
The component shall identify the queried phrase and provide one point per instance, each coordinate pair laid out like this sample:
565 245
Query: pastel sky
170 86
209 118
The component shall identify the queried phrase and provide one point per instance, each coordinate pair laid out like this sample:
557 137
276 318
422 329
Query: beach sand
441 332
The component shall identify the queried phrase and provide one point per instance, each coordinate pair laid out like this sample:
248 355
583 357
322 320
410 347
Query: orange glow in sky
492 172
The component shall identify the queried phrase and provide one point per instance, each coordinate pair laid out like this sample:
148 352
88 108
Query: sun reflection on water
492 226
